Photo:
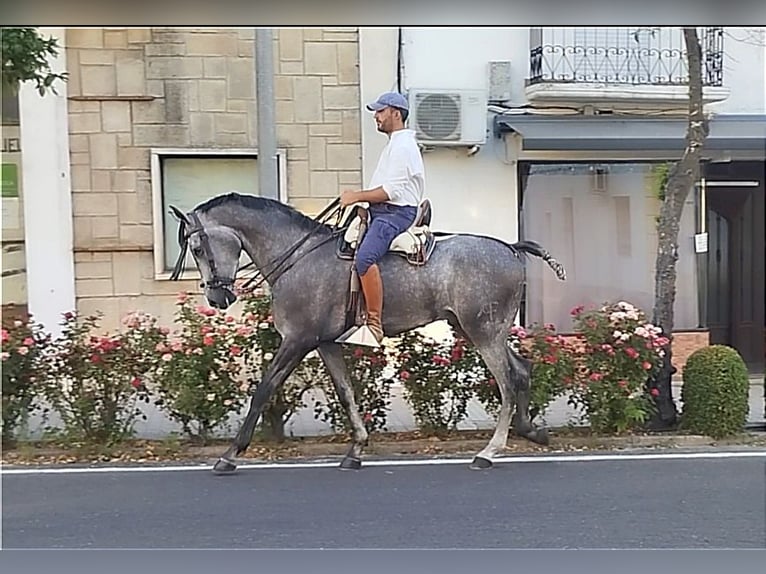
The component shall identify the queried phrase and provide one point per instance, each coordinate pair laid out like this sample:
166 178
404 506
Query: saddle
415 244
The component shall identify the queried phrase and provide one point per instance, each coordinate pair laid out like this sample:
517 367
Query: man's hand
349 198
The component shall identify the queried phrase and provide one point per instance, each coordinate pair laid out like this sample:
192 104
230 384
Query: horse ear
179 215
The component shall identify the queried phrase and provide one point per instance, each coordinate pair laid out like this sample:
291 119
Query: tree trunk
682 177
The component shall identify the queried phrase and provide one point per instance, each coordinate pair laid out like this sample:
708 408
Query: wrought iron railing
648 56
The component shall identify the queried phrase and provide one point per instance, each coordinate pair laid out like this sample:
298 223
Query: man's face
385 119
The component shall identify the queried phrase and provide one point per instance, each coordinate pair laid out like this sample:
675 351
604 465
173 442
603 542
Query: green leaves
25 59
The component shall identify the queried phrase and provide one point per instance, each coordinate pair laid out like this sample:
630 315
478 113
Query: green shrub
715 392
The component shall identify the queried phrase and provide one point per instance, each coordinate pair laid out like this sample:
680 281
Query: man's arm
377 195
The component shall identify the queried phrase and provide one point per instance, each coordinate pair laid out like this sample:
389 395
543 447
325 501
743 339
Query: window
185 178
605 236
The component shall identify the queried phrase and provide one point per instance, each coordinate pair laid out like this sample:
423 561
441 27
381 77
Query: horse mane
263 204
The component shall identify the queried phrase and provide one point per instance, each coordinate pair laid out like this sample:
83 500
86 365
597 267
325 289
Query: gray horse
472 281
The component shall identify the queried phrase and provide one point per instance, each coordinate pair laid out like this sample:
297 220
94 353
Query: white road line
403 462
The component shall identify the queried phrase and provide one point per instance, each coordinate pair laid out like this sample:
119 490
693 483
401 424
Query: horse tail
534 248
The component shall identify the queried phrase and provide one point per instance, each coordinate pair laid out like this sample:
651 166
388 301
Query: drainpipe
268 184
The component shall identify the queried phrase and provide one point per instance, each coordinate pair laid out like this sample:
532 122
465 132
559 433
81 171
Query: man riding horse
396 190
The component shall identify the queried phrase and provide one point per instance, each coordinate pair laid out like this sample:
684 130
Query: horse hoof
540 436
351 463
480 463
223 466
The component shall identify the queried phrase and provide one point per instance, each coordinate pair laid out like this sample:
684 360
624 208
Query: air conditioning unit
448 117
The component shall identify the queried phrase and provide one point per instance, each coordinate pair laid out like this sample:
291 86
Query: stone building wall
134 89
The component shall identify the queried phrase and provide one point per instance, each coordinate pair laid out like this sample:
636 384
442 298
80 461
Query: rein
278 262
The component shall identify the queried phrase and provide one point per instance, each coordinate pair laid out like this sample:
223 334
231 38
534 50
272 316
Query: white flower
263 325
211 396
268 356
642 332
617 334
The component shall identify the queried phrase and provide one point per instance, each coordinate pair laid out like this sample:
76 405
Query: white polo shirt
400 170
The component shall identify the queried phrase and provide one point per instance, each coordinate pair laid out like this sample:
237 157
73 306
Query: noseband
184 235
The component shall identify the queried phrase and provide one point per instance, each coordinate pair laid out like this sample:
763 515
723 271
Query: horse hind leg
521 370
497 360
332 356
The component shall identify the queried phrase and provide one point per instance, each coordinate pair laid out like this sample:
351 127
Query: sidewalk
400 416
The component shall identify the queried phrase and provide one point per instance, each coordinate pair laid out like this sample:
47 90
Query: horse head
216 250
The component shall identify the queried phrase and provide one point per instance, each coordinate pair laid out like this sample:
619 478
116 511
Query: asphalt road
667 503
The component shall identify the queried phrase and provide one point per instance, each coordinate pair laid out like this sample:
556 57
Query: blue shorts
387 221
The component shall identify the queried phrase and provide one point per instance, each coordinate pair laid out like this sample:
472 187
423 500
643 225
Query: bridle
184 235
277 264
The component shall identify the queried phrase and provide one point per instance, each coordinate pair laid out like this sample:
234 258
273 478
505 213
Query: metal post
268 184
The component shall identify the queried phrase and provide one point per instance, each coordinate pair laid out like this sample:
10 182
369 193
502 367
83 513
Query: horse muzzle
220 297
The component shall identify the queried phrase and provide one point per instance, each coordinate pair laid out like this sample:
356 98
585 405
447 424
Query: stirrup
359 335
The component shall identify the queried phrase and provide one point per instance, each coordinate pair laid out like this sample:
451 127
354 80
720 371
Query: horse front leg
287 358
332 356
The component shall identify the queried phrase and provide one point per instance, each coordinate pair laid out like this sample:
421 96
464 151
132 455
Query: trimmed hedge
715 392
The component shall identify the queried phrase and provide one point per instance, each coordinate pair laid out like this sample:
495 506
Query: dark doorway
735 263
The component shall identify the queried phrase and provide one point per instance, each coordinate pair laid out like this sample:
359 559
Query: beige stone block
312 34
95 204
340 37
139 35
291 68
231 123
124 180
82 256
173 67
245 33
115 116
308 96
352 179
176 102
223 43
101 57
83 106
214 67
93 270
125 140
101 180
232 140
284 111
298 179
348 63
134 209
127 273
352 127
240 106
291 44
103 151
202 128
325 130
298 154
341 97
133 157
80 178
212 95
324 184
93 288
246 49
343 156
344 29
148 112
329 81
292 135
321 58
131 74
107 306
333 117
136 235
283 88
84 38
78 143
165 50
105 227
87 123
160 135
79 158
155 88
98 81
317 153
83 231
168 35
115 38
240 78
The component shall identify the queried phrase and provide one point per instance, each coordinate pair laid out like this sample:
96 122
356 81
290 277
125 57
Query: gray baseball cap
389 99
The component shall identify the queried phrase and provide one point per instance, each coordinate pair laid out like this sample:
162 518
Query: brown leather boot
372 287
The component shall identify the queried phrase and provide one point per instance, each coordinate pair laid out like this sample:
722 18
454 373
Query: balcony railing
632 56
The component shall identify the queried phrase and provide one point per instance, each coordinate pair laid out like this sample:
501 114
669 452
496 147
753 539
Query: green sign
10 180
